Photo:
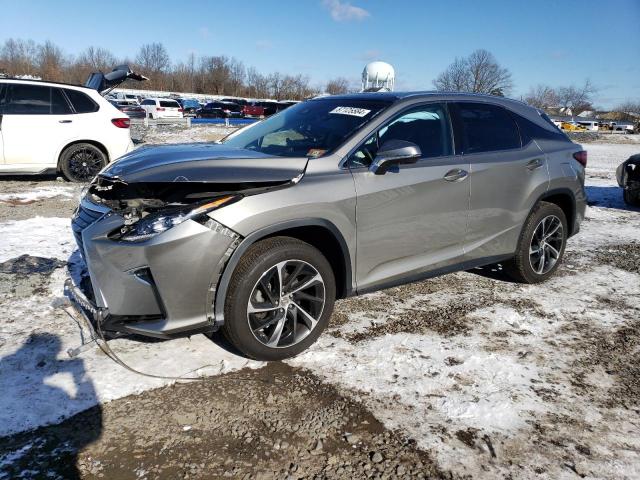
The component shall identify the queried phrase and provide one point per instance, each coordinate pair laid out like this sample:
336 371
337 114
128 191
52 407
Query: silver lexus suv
333 197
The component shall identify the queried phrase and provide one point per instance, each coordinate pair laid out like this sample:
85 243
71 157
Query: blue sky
548 41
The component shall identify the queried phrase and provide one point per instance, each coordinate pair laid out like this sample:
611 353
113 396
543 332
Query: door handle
455 175
65 121
535 163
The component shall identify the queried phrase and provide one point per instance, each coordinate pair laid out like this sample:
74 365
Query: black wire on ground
106 349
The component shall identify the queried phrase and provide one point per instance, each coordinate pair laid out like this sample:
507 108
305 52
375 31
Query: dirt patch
28 265
624 256
615 353
275 422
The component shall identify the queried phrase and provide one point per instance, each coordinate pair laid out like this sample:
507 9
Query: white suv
162 108
53 127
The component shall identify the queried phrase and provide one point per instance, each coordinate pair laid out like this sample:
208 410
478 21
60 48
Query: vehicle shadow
607 197
221 341
40 386
494 271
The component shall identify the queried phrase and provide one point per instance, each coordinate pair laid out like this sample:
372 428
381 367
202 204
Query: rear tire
271 315
541 245
81 162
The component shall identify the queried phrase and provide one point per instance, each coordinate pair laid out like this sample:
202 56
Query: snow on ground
511 373
492 377
67 192
39 383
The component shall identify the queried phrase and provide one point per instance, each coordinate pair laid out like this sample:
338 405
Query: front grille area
82 219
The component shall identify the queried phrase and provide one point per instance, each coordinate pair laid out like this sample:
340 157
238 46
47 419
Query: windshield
310 128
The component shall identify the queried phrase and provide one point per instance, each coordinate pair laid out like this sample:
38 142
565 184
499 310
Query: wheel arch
95 143
319 232
566 200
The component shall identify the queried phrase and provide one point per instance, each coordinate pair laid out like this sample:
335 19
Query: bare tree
337 86
477 73
628 111
542 96
19 57
154 61
51 62
578 99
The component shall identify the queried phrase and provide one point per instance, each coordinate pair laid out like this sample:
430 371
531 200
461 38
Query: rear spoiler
105 82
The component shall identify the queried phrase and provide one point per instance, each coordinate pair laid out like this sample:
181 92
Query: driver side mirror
394 152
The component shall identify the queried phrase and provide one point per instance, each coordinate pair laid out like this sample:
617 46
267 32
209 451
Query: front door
413 218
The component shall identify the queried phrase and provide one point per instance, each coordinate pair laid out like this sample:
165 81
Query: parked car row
226 108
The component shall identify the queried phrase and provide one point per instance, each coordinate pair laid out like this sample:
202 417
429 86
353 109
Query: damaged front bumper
162 287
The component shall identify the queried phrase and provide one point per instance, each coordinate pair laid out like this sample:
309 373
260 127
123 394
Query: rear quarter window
482 127
530 130
81 102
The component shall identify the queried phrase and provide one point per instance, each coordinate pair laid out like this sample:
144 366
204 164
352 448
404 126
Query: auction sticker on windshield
356 112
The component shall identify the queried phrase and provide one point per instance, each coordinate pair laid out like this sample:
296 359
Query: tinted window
169 104
59 104
530 130
481 127
148 102
81 102
24 99
427 126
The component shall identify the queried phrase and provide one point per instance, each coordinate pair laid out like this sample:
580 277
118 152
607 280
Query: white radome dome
378 75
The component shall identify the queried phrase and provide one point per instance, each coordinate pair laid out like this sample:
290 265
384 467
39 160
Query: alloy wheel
84 164
286 304
546 244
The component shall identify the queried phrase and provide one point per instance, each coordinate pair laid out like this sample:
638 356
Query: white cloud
344 12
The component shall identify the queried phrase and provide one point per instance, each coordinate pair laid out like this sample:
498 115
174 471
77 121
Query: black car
189 106
269 108
220 110
132 111
239 101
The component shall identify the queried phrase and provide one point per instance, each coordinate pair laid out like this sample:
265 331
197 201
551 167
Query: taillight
160 109
121 122
581 157
181 109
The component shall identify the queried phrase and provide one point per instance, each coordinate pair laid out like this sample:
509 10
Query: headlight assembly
158 222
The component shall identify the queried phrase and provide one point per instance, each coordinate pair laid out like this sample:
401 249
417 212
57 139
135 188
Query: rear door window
25 99
59 103
482 127
81 102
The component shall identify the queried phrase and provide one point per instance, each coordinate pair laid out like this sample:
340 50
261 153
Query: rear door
36 121
413 218
506 177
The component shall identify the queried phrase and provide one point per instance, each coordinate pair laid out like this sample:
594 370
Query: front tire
81 162
541 245
280 299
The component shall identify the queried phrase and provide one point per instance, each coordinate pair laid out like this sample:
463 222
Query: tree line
479 72
216 75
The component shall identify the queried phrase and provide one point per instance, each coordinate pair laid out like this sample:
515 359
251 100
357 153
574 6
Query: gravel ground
463 376
276 422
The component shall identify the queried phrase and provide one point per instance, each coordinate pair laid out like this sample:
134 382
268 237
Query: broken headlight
158 222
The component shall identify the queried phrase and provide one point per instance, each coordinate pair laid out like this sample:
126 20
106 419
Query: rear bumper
161 287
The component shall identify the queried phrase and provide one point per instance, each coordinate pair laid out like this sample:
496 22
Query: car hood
206 162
